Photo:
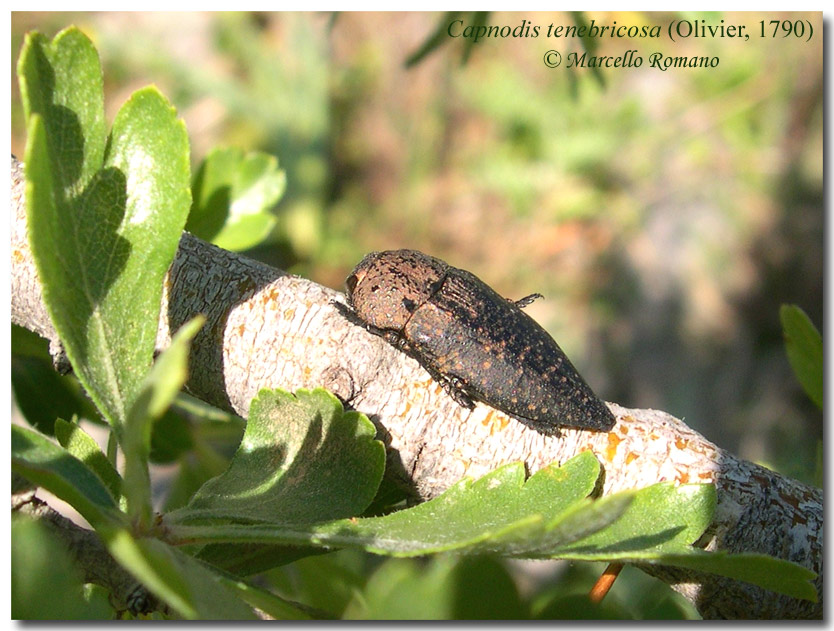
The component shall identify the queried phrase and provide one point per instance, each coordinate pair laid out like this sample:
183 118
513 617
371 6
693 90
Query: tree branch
89 554
267 329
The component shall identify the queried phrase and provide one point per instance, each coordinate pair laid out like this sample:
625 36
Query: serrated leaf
803 344
52 467
233 196
188 587
302 459
81 445
103 248
659 515
498 512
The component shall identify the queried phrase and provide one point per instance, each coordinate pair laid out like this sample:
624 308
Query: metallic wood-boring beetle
477 344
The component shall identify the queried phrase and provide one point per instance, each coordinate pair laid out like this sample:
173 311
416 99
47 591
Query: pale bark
267 329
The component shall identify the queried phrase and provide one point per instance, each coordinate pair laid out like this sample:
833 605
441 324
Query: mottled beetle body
476 343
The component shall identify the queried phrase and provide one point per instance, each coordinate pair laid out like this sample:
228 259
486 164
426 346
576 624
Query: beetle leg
394 338
526 300
454 388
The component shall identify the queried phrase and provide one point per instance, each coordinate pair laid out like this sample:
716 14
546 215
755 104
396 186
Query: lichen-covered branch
89 553
267 329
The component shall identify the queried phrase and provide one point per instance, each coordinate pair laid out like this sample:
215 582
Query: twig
268 329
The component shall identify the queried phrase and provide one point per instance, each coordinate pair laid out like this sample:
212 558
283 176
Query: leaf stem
604 583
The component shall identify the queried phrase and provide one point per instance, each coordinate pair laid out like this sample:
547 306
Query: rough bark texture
267 329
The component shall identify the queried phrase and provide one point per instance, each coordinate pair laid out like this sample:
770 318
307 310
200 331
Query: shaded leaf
81 445
32 377
52 467
233 196
765 571
61 82
45 584
803 344
188 587
435 40
401 590
302 459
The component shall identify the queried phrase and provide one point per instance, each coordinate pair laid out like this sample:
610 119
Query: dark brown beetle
474 342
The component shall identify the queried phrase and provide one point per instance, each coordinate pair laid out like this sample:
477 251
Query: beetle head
387 287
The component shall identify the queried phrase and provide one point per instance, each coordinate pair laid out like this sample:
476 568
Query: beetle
477 344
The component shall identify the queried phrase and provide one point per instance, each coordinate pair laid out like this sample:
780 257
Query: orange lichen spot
494 422
611 450
705 475
653 436
17 255
289 314
682 477
680 443
631 457
624 428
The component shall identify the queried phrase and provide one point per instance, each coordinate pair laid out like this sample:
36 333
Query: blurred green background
665 216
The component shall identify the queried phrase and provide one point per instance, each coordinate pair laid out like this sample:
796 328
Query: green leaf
659 515
103 247
765 571
81 445
497 594
302 459
159 389
325 582
34 376
440 589
269 603
170 437
233 196
548 517
434 41
402 590
187 586
52 467
498 512
46 585
803 344
61 82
